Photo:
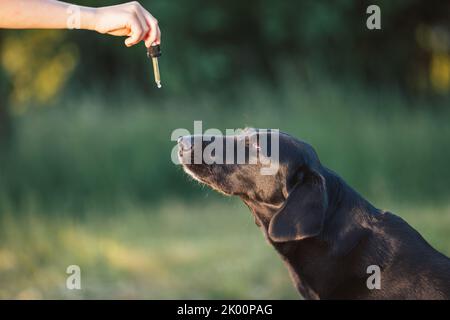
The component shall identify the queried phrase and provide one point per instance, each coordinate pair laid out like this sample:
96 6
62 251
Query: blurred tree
5 121
208 45
38 64
211 45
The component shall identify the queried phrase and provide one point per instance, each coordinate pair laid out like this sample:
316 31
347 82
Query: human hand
130 20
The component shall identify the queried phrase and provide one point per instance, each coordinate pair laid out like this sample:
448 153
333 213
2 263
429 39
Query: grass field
178 250
90 182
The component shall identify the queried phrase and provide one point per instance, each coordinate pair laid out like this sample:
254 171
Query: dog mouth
202 173
194 171
199 172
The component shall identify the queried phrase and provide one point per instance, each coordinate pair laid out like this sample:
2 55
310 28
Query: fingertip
148 40
158 36
152 39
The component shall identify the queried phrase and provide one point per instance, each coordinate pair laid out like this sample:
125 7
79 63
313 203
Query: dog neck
308 257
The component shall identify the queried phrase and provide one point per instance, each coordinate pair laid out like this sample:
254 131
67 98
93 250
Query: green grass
177 250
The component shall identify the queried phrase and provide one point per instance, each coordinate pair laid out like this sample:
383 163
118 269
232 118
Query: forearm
128 19
44 14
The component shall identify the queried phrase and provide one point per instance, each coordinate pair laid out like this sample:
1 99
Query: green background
85 170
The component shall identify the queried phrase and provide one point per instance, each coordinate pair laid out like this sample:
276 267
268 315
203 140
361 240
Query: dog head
293 198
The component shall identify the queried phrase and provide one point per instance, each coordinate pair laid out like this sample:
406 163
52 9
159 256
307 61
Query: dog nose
185 143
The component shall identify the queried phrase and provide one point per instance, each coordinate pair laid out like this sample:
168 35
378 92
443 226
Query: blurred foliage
213 45
90 181
39 63
91 152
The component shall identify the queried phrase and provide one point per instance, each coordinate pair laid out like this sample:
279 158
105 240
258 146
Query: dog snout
185 143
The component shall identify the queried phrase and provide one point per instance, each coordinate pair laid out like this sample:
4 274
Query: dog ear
303 212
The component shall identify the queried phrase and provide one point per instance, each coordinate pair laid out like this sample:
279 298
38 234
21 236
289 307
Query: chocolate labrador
335 244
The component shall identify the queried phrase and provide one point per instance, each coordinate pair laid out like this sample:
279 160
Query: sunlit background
85 170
